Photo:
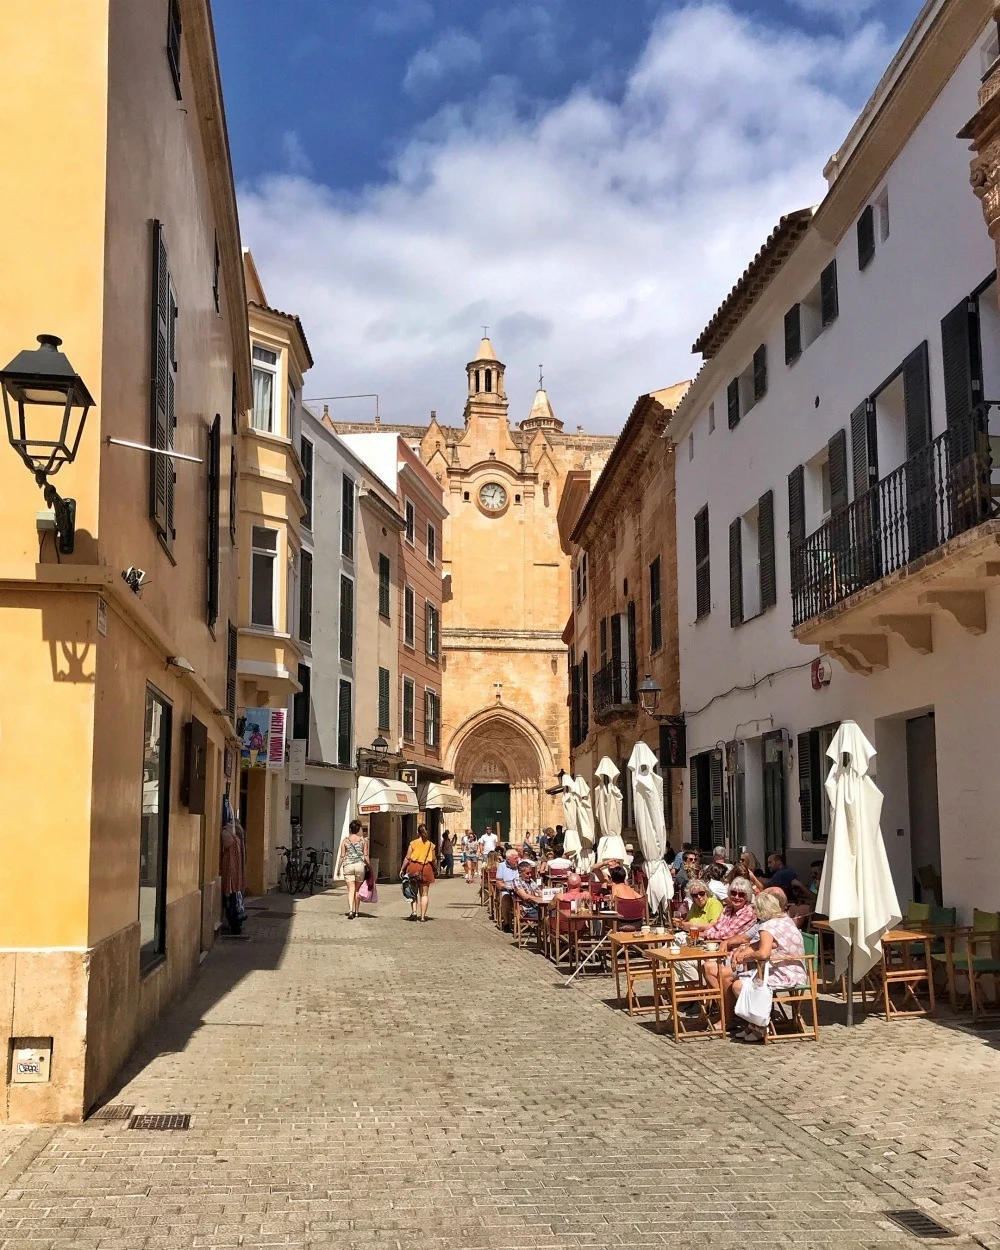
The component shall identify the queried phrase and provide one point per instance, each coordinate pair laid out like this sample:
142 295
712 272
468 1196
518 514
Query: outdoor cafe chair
562 941
972 953
633 913
787 1001
525 926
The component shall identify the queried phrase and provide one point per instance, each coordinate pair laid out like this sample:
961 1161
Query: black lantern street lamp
46 404
649 694
380 747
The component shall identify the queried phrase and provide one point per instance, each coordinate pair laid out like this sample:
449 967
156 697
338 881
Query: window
411 521
265 375
307 483
584 697
702 567
383 699
384 586
432 542
432 718
814 808
347 518
409 697
302 706
489 381
232 655
174 44
215 276
581 579
346 618
214 502
409 616
866 237
583 564
153 829
793 334
344 729
306 596
752 586
655 609
690 447
163 373
989 51
711 418
604 641
882 214
262 580
293 415
433 627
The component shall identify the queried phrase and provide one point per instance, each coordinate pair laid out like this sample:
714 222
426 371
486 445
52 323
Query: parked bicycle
289 876
306 879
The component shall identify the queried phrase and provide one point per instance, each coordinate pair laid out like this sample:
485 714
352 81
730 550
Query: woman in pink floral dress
778 944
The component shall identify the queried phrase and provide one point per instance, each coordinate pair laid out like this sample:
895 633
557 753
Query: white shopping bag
754 1002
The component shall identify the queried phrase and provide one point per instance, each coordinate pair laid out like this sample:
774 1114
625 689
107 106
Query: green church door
491 807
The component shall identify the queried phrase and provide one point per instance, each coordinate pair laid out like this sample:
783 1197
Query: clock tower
486 397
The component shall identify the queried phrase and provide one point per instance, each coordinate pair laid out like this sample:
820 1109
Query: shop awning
377 794
435 796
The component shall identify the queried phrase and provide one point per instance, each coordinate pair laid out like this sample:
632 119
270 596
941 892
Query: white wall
938 251
379 451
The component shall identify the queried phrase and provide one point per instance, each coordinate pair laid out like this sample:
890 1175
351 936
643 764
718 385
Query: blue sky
587 176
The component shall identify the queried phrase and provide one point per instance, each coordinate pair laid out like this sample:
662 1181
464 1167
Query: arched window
477 381
489 381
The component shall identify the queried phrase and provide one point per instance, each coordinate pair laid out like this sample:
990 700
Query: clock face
492 496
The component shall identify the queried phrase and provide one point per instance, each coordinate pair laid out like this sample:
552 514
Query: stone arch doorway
501 762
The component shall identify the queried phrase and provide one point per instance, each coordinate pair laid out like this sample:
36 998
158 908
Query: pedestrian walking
470 856
419 865
447 854
232 865
355 863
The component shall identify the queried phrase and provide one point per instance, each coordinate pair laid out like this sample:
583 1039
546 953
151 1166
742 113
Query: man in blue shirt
507 874
781 875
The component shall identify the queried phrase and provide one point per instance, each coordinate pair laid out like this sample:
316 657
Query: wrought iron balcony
939 493
614 689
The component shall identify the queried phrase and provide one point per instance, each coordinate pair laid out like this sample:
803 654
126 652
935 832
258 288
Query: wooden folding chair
525 926
787 1001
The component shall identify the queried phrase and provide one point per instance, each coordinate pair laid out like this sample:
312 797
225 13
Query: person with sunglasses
704 909
688 870
737 923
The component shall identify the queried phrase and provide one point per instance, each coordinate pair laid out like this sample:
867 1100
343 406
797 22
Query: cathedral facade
507 601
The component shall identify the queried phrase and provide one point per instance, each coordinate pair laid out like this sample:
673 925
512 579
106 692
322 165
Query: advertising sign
264 738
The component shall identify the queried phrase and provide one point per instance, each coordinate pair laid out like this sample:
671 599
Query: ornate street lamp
46 404
649 694
380 747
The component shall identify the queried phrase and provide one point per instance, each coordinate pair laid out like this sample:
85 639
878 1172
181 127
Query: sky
588 178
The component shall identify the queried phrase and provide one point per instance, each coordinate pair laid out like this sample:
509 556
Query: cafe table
629 955
665 961
906 962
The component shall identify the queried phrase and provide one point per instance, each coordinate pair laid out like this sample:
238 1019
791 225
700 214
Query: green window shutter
617 659
344 725
736 572
234 471
302 706
793 334
346 618
733 403
584 697
702 565
629 686
765 537
307 482
383 699
604 641
305 596
866 237
232 656
963 382
214 505
347 518
837 455
760 373
796 525
170 532
693 793
384 584
829 296
408 699
718 807
655 608
574 706
811 793
863 453
159 466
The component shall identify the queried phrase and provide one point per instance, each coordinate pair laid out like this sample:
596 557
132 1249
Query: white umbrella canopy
856 890
647 795
608 809
584 821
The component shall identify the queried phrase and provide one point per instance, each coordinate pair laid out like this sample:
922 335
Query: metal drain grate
175 1122
919 1224
114 1111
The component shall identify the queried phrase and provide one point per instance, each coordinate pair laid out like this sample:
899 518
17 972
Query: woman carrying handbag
354 861
419 866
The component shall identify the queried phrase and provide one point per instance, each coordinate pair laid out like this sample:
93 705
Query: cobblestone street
376 1083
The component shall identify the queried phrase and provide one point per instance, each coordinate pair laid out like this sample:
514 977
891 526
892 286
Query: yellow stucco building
507 597
118 233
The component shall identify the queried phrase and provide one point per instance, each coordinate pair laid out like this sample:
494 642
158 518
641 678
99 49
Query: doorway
925 833
491 809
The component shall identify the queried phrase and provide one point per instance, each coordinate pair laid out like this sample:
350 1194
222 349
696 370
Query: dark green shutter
805 785
693 793
796 525
384 585
628 688
829 296
866 237
765 540
574 706
307 483
347 518
302 706
733 403
306 596
837 456
718 808
383 699
617 662
344 725
584 697
793 334
214 504
409 710
963 384
159 465
702 565
760 373
736 572
170 532
604 641
232 658
863 451
920 512
346 618
655 608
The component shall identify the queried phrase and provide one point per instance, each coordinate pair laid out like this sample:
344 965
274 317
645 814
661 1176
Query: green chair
940 918
980 958
917 913
787 1001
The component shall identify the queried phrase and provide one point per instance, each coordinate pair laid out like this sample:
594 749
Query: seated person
716 875
704 908
779 944
746 866
738 920
618 879
507 874
781 875
815 872
688 869
559 863
681 856
574 889
527 889
801 904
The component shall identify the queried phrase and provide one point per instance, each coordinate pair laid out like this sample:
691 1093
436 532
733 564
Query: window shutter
796 525
718 817
765 532
862 454
574 707
736 572
616 658
733 403
171 476
306 597
431 631
409 695
383 699
159 466
920 505
917 401
584 697
302 705
655 608
346 618
234 471
384 578
604 641
347 518
805 785
866 237
232 645
793 334
307 483
837 454
693 790
963 385
703 568
214 503
829 295
629 685
760 373
174 45
344 725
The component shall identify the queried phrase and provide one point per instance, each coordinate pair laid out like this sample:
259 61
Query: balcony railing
614 688
942 491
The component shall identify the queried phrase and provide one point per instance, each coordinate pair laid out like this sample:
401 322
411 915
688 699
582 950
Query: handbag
409 889
755 1000
368 890
239 910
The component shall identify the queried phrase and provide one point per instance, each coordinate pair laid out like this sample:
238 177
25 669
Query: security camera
134 578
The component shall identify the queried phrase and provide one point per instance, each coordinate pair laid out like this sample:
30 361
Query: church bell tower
487 397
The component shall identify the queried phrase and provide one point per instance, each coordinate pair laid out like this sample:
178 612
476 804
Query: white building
834 500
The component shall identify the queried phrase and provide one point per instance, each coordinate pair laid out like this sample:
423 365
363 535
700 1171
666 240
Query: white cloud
294 152
595 236
397 17
452 53
845 12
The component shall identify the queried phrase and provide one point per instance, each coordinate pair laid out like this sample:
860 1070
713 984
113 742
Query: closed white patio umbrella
856 890
584 822
647 797
608 809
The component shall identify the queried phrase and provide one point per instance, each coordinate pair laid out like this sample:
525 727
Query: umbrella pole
850 987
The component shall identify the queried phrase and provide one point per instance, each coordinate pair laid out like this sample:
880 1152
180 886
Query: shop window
155 819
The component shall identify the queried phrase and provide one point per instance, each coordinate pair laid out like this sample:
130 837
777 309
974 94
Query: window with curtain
432 718
265 376
262 584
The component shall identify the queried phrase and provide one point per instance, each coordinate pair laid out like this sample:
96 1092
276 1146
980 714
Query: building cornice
413 478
